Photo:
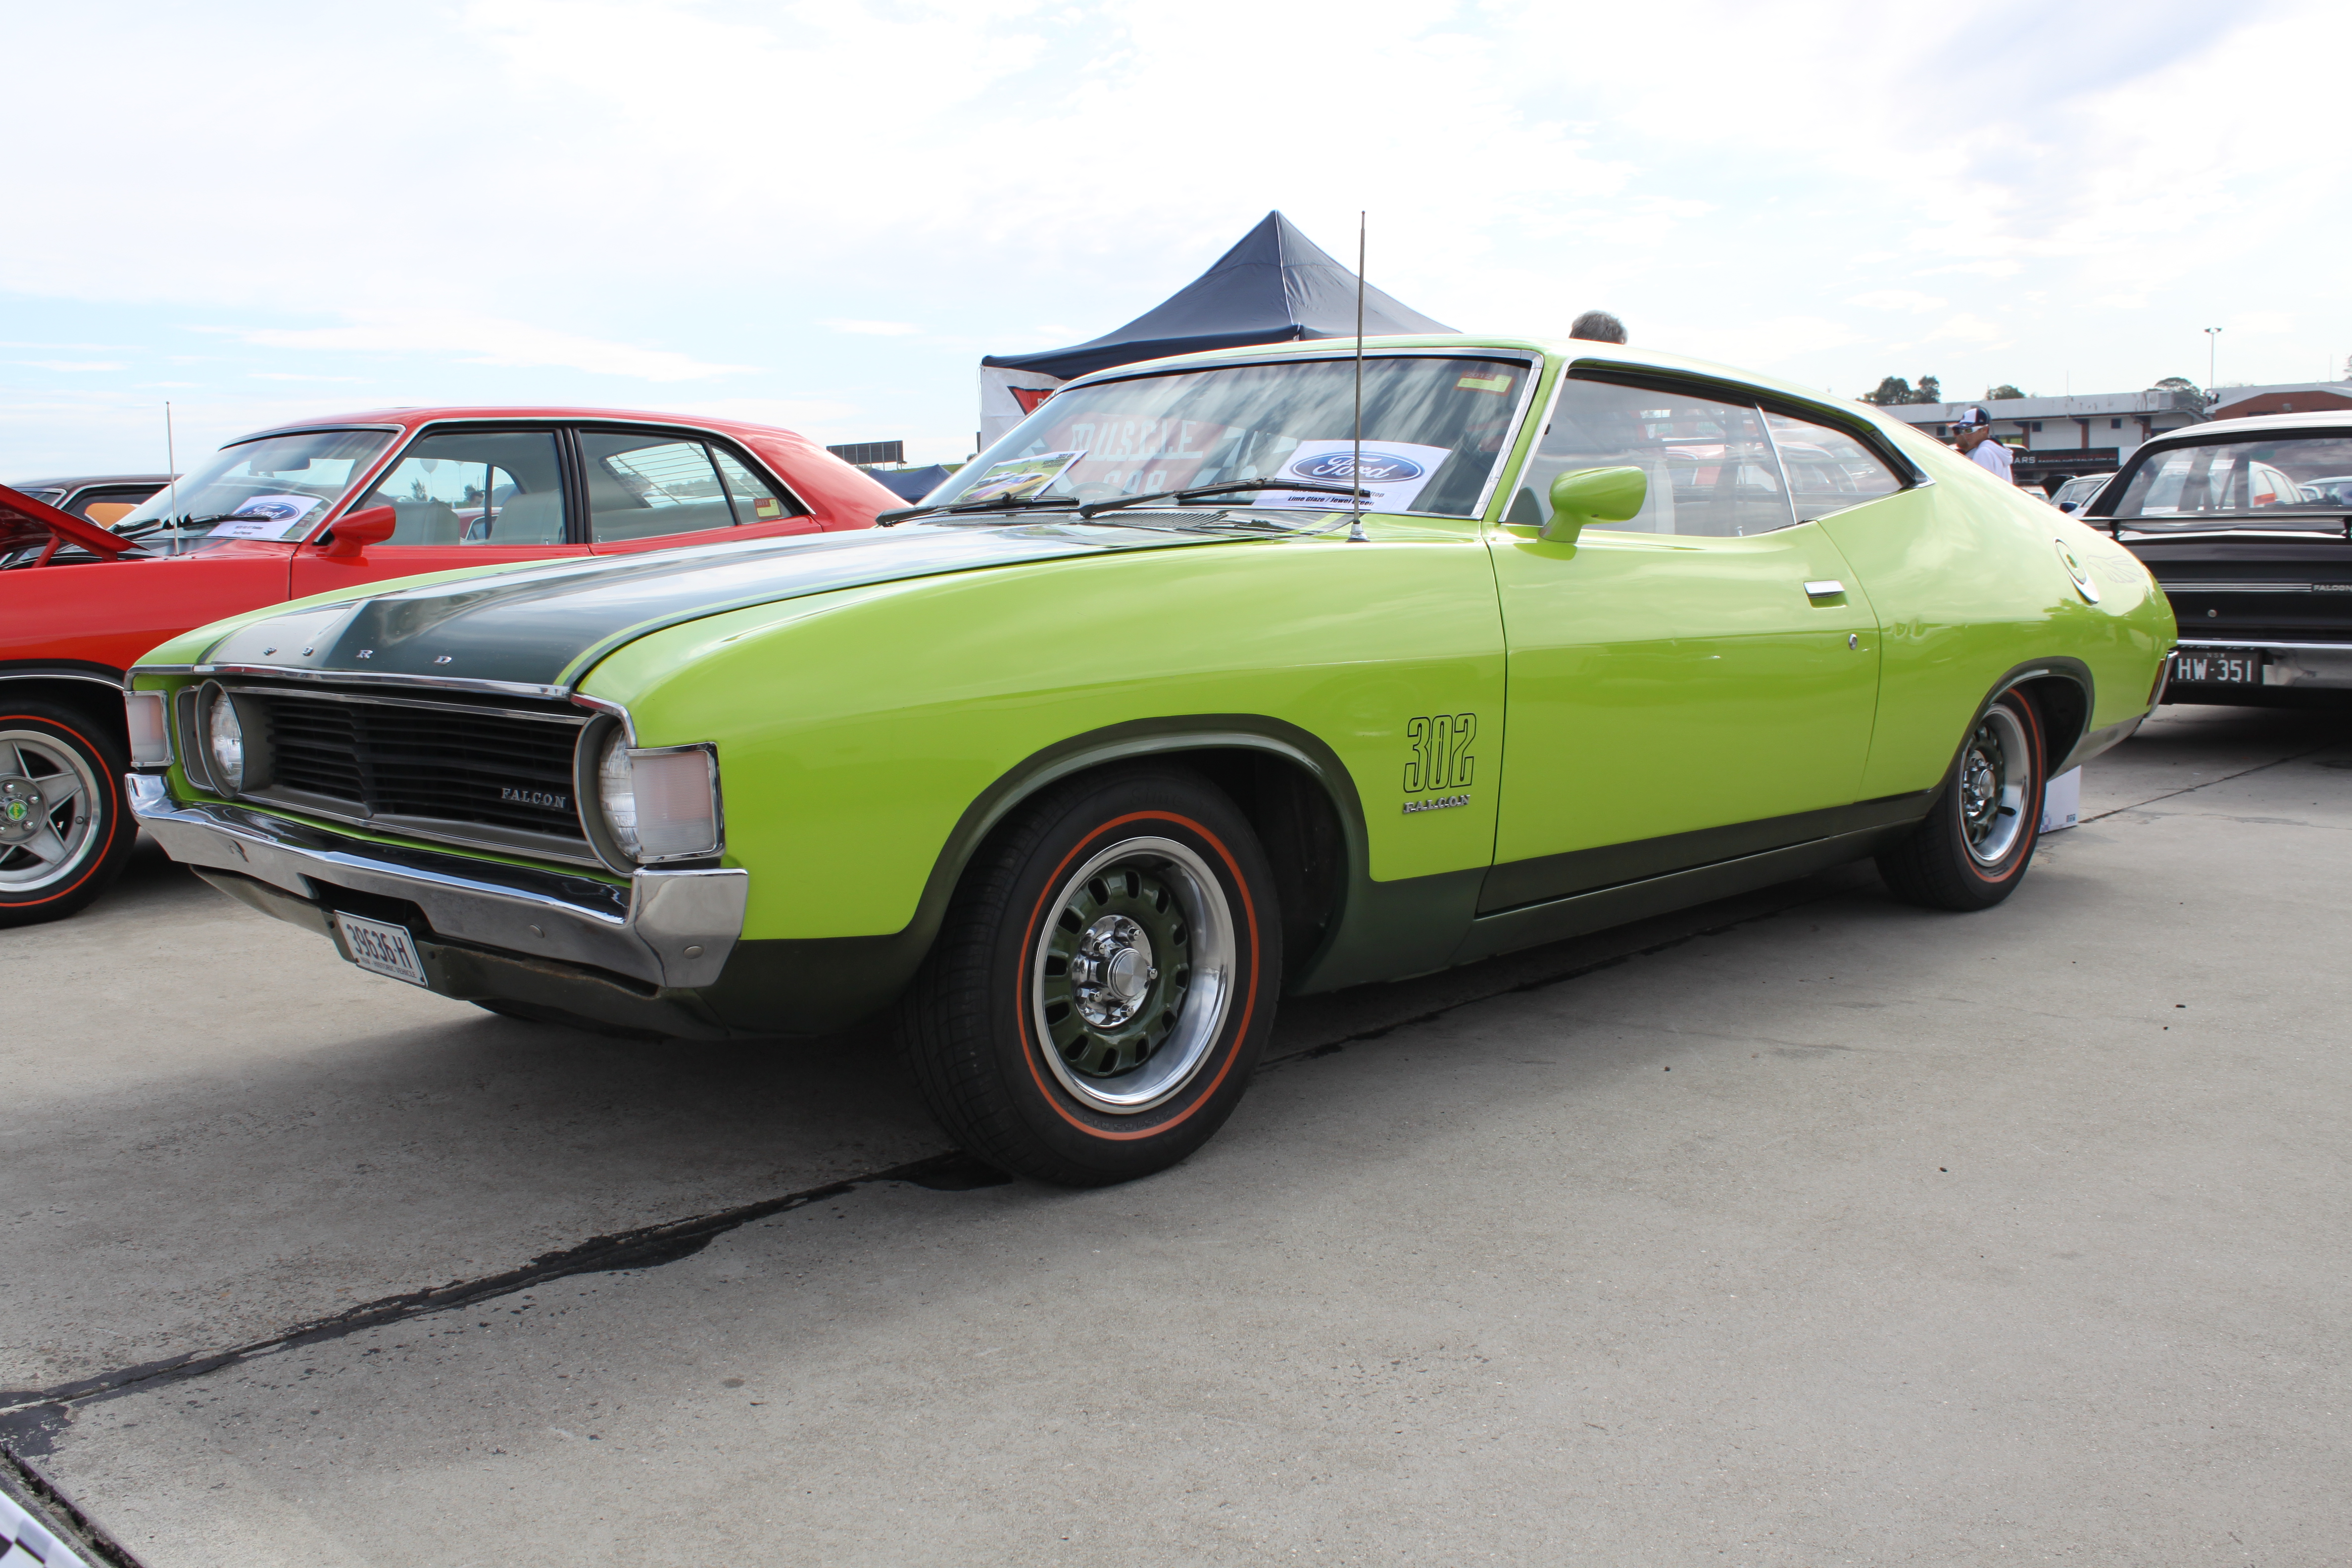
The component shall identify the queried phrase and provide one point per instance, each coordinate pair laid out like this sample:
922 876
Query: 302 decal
1441 753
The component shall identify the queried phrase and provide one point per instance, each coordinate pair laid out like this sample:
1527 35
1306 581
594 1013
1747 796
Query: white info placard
1394 472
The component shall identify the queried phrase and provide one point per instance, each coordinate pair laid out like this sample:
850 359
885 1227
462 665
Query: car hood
546 627
25 522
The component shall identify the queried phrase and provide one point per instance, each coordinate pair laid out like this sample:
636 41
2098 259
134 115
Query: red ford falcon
328 504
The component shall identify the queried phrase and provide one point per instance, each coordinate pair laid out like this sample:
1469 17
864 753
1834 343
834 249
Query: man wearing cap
1972 432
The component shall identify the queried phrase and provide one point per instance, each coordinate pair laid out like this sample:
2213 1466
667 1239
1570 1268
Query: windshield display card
1394 472
266 517
1021 477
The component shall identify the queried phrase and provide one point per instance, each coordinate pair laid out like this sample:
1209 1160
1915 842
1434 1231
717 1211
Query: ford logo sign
1379 467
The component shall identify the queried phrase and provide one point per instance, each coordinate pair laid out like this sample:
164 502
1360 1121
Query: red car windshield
278 486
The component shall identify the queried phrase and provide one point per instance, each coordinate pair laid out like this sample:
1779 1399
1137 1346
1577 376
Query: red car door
656 489
469 495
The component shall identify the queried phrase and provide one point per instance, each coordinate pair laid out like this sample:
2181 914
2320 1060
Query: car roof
2259 425
413 418
1578 351
82 481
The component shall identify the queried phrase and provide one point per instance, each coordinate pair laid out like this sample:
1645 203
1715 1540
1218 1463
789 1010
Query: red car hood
25 522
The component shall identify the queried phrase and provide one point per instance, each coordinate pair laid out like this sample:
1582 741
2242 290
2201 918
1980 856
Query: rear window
2263 475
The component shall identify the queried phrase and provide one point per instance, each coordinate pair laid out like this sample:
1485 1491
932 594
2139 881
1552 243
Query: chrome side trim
2193 586
63 675
2344 647
670 929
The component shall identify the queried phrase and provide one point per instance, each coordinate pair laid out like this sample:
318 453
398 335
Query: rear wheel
1972 850
65 828
1103 983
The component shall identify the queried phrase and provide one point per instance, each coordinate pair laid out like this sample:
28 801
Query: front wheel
1103 983
1972 850
65 828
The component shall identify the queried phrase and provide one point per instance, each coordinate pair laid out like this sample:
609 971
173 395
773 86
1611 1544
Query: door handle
1828 588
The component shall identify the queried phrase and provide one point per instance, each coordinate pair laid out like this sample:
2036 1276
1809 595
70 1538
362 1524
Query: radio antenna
1356 466
172 467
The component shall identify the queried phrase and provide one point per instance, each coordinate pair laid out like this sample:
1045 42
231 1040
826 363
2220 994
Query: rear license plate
2220 667
381 949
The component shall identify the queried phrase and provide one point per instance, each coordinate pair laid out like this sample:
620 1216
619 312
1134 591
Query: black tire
1032 1028
53 759
1972 850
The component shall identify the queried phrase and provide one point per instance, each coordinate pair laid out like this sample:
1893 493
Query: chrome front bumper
669 928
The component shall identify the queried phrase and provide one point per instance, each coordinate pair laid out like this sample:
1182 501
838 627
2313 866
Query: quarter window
1828 470
475 487
644 484
1710 465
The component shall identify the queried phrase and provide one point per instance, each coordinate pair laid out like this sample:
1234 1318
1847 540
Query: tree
1895 390
2181 383
1995 394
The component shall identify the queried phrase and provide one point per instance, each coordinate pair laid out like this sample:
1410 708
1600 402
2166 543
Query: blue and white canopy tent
1276 286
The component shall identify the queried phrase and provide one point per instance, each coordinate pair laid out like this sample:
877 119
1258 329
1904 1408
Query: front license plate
381 949
2220 667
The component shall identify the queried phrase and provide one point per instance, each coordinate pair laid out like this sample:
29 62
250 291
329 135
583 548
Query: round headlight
224 742
616 794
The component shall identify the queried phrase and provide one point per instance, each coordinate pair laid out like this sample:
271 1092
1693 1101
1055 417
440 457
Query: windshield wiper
141 530
996 503
1229 487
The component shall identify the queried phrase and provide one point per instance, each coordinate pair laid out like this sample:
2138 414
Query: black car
102 498
2247 524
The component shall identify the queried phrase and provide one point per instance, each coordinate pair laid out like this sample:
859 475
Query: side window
756 499
1710 465
106 508
475 487
644 484
1828 470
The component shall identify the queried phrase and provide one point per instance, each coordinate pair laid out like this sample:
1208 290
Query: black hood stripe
549 626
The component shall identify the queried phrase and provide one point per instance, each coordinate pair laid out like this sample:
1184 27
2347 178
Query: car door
650 489
465 495
1692 684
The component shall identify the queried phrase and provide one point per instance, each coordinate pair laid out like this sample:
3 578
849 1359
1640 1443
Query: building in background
2283 398
2053 437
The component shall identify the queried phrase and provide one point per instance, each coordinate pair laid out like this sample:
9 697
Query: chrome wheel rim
1133 975
1995 772
48 811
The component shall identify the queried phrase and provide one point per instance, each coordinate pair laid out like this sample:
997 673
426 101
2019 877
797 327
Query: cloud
69 364
874 329
475 339
1967 328
1897 300
289 375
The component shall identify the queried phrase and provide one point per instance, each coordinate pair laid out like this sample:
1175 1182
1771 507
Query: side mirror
2068 506
1582 496
355 531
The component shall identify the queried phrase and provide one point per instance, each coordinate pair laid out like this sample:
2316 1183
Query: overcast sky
821 215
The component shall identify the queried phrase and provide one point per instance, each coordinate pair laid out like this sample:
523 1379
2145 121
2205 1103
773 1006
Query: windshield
275 487
2268 474
1432 429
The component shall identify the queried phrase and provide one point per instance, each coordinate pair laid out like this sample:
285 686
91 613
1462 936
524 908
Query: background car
1083 780
2076 493
2245 522
320 506
104 498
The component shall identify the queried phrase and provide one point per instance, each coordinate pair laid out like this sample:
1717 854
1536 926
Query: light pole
2212 337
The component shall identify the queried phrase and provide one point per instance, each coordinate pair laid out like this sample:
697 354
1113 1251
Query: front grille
439 762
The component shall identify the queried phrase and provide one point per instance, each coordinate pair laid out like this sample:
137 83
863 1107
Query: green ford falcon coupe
1191 693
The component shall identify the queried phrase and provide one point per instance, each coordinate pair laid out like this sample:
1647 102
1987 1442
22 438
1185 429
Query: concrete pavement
1804 1229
